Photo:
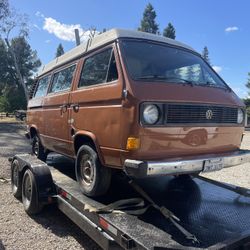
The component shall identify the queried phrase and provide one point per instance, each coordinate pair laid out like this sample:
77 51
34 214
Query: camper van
135 102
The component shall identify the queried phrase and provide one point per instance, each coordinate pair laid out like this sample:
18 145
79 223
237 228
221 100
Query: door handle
63 108
75 107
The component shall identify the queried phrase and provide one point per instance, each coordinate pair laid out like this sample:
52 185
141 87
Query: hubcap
87 169
36 147
27 188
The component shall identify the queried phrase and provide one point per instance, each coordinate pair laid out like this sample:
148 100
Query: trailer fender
42 174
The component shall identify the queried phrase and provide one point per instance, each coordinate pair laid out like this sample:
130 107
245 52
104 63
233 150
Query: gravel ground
51 229
239 175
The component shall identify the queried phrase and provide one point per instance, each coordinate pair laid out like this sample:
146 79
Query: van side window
42 87
112 74
62 79
99 68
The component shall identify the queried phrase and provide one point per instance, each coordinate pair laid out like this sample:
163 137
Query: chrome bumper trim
153 168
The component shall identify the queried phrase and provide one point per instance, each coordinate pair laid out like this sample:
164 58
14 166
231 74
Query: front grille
178 113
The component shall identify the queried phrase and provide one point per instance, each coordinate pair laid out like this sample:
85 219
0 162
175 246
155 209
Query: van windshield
148 61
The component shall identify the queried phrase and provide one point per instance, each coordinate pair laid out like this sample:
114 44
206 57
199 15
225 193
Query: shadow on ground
1 245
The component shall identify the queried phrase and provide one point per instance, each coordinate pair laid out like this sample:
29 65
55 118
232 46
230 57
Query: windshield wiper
161 77
181 79
152 77
212 84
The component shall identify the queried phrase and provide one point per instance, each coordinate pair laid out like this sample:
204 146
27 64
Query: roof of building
105 38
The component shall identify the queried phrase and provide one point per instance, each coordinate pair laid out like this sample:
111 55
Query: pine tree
59 50
169 31
248 83
148 23
205 54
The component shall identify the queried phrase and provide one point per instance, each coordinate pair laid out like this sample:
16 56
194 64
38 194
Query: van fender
41 172
88 137
33 126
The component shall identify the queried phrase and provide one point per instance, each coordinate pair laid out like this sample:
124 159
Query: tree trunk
19 75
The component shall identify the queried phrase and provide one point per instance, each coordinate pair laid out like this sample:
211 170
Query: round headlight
240 117
150 114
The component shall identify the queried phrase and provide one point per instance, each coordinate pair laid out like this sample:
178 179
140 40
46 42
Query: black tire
38 149
30 194
16 184
93 178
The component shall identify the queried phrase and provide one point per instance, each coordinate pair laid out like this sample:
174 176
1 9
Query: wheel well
33 132
83 139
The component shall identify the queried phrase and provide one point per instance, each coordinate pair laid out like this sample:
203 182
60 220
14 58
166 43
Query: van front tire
37 149
93 178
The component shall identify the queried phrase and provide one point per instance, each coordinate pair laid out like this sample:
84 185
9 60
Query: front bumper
142 169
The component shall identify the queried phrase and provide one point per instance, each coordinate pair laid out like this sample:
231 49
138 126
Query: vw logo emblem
209 114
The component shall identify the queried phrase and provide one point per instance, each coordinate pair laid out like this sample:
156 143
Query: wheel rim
87 169
14 177
36 147
27 190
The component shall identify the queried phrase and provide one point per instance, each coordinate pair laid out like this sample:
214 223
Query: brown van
137 102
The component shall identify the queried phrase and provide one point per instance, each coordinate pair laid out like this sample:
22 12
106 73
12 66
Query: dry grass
9 119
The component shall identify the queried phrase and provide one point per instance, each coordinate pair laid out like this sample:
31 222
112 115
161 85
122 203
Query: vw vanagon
136 102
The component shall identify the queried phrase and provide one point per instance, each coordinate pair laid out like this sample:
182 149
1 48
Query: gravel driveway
51 229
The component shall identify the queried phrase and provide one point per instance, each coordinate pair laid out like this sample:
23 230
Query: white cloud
39 14
47 41
63 31
231 29
218 69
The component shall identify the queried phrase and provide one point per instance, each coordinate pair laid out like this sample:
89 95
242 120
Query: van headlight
150 114
240 117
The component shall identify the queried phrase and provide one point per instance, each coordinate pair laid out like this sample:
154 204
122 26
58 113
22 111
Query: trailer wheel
16 184
38 149
94 179
30 194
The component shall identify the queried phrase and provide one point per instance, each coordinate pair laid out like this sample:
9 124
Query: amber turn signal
133 143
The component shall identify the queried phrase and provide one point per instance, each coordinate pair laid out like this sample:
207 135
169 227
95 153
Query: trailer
185 212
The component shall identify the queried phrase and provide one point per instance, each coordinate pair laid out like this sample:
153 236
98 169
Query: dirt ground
51 229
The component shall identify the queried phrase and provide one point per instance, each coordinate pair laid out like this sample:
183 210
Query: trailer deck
216 215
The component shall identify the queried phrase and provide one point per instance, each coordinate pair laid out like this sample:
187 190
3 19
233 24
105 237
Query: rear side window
62 79
99 68
41 89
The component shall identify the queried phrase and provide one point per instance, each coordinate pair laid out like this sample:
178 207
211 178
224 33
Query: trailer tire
93 178
16 184
38 149
30 194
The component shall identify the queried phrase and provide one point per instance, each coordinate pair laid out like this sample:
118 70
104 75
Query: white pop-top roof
104 38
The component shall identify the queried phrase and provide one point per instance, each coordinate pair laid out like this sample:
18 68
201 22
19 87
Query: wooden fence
4 115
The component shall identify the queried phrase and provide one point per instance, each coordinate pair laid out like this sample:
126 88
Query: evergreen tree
205 54
169 31
59 50
248 84
148 23
11 91
4 9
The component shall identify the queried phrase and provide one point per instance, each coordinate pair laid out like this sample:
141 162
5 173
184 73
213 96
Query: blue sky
223 26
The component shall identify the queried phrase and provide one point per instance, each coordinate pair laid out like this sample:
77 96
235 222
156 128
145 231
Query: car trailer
205 214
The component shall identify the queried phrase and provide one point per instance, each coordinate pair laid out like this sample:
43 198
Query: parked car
136 102
20 114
